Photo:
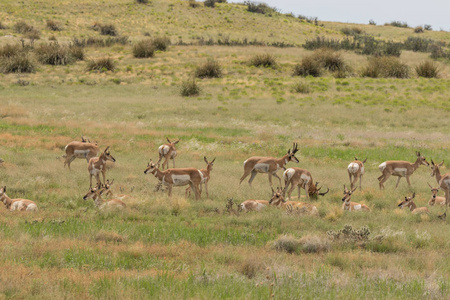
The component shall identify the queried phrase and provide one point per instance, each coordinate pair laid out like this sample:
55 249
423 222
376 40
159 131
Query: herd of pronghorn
195 178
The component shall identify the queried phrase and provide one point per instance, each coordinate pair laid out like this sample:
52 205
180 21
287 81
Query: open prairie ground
179 247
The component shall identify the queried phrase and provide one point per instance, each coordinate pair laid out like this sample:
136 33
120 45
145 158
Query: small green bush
189 88
108 29
102 64
210 3
286 243
385 66
22 27
53 54
427 69
397 24
418 29
427 27
210 69
302 88
144 49
372 22
308 67
260 8
21 63
264 60
161 43
53 25
329 59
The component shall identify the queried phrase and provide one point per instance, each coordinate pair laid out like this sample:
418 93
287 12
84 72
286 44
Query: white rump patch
357 206
353 168
163 149
245 162
261 168
382 166
287 175
181 179
201 176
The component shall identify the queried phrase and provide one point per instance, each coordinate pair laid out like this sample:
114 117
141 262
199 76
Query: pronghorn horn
107 148
273 192
168 140
414 195
356 158
317 183
295 148
324 193
206 161
364 161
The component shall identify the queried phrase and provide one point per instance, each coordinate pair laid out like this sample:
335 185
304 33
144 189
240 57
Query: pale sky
413 12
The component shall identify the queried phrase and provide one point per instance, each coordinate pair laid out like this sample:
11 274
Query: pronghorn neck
416 165
437 174
6 200
97 199
412 206
282 161
158 174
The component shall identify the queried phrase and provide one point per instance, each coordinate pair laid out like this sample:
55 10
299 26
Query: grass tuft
189 88
308 67
286 243
109 236
161 43
22 27
427 69
53 25
144 49
53 54
210 69
20 63
301 88
102 64
264 60
385 67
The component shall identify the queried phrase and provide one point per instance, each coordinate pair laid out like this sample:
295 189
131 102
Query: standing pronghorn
96 195
435 199
177 177
400 169
97 165
81 149
269 165
356 169
302 207
301 178
206 175
408 202
444 183
167 151
16 204
352 206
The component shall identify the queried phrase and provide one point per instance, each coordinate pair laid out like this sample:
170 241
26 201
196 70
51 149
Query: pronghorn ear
289 151
345 189
414 195
441 164
317 183
432 162
356 158
364 161
417 153
354 190
168 140
273 192
206 161
4 189
107 148
213 160
429 185
176 142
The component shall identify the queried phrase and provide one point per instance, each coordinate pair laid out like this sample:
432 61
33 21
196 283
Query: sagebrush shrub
33 34
53 25
209 69
264 60
76 52
142 1
108 29
189 88
193 3
286 243
161 43
22 27
308 67
385 66
102 64
210 3
53 54
20 63
329 59
302 88
260 8
427 69
418 29
144 49
10 50
352 30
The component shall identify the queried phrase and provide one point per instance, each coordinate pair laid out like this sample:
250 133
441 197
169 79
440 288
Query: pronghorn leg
383 180
351 181
252 177
360 182
355 179
286 185
398 180
275 174
68 161
299 191
104 176
290 191
173 160
206 189
307 185
270 178
407 180
90 180
188 192
166 163
97 177
244 176
170 190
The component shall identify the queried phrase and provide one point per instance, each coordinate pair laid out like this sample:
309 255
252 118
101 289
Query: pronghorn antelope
81 149
352 206
435 199
167 151
356 169
206 175
269 165
16 204
253 205
302 207
96 194
107 187
443 182
301 178
177 177
97 165
400 169
408 202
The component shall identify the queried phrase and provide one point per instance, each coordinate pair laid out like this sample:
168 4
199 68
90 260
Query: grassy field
178 247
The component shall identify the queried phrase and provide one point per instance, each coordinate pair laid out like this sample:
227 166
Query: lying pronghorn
96 195
352 206
444 183
400 169
81 149
16 204
253 205
177 177
109 193
435 199
356 169
206 175
167 151
302 207
269 165
408 202
97 165
301 178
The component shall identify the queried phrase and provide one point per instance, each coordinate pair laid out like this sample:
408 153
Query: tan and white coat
409 203
301 207
167 151
300 178
356 170
78 149
16 204
97 165
352 206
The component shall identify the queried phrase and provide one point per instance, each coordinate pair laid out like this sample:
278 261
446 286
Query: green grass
178 247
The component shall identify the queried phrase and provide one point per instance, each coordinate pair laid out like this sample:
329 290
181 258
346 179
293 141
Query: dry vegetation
177 247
